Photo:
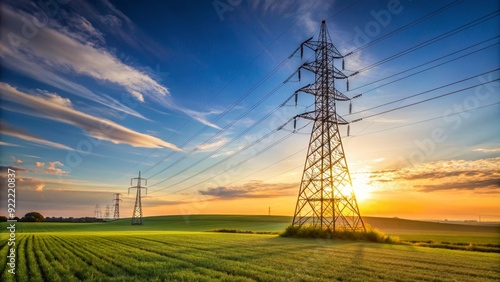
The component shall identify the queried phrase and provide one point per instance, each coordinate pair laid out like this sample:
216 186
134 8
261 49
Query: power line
232 106
431 41
434 60
246 160
273 164
222 131
227 84
438 11
426 100
269 94
424 92
300 151
221 161
234 121
353 136
238 152
425 120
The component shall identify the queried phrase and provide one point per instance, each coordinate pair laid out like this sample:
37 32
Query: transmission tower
137 216
326 198
97 211
116 206
106 212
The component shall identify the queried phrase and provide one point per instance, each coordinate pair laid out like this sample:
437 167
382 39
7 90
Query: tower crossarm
339 96
316 46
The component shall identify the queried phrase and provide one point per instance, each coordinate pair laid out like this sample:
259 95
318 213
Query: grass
377 236
167 223
178 249
202 256
370 235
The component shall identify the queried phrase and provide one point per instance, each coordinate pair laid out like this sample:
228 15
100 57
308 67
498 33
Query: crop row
233 257
326 260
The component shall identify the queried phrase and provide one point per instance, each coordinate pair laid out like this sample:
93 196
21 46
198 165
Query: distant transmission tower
326 198
106 212
97 211
137 216
116 206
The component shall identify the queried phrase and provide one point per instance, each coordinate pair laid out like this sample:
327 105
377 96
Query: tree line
38 217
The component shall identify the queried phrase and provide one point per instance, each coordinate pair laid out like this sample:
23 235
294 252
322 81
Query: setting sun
361 187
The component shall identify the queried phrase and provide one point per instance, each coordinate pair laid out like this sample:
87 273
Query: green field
177 248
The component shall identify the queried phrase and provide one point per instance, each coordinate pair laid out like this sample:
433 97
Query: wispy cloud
457 175
8 144
3 169
212 146
252 189
484 150
114 132
23 59
58 51
489 184
310 11
22 134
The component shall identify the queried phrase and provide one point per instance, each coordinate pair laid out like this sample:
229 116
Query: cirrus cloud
56 53
96 127
251 189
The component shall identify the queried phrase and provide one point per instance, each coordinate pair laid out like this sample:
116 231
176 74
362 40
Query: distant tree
33 217
3 218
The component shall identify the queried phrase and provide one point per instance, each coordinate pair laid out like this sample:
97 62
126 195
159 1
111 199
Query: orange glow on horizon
362 188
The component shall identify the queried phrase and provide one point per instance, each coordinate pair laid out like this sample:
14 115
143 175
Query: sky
191 94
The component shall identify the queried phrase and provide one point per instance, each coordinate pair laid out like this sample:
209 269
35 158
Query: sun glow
361 187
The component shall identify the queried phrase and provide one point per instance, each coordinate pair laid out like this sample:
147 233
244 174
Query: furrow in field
71 260
54 258
386 264
300 265
208 260
137 264
133 263
171 262
96 268
46 270
4 252
425 261
379 260
22 262
34 272
414 263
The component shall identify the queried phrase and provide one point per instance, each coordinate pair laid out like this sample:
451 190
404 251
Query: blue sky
92 92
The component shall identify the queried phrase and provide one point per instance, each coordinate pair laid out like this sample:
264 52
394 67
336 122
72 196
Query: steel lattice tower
326 198
116 206
137 216
106 212
97 211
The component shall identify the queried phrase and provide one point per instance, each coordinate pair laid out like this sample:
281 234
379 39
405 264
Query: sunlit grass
176 248
206 256
309 231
